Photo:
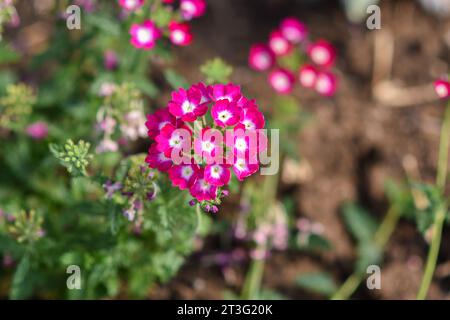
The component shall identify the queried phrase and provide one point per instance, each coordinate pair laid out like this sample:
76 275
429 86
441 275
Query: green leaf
175 80
216 71
19 287
8 54
321 283
359 223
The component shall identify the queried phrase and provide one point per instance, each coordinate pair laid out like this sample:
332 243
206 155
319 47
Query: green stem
439 218
253 278
381 238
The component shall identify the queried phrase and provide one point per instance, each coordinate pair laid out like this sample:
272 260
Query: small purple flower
214 209
111 188
193 202
37 130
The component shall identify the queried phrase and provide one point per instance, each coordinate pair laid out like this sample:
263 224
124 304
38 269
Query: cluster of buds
16 106
8 15
203 133
137 187
74 156
289 42
442 88
171 20
27 227
121 118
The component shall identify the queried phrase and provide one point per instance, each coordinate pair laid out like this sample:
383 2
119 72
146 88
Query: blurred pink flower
37 130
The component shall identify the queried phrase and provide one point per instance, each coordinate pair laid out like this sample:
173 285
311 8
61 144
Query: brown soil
353 144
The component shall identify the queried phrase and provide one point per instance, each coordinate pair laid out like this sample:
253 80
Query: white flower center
307 78
263 60
144 35
178 36
240 164
279 45
224 116
175 141
321 55
188 7
241 144
441 90
187 107
216 171
130 4
187 172
281 82
207 146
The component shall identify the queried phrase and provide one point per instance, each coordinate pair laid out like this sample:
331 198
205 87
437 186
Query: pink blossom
243 169
229 92
192 8
225 113
187 104
293 30
131 5
307 76
322 53
251 119
180 33
144 36
281 81
326 84
157 121
217 174
157 160
279 44
261 58
442 88
202 190
184 176
37 130
172 139
107 145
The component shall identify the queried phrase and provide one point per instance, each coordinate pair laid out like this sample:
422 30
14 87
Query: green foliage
321 283
216 71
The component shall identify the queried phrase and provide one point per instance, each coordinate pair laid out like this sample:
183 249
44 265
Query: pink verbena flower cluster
203 134
146 34
290 39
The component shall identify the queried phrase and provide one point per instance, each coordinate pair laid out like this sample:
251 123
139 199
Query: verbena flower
192 8
307 76
326 83
322 53
442 88
203 134
131 5
281 80
279 44
180 33
293 30
145 35
261 58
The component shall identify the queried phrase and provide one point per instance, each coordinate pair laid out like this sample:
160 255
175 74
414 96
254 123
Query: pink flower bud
37 130
322 53
261 57
308 76
144 36
326 84
293 30
281 81
180 33
442 88
279 44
